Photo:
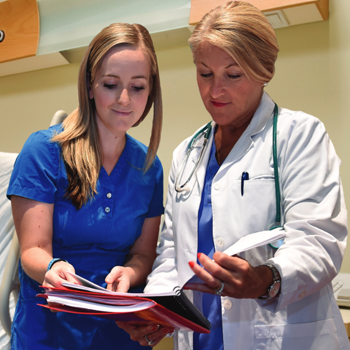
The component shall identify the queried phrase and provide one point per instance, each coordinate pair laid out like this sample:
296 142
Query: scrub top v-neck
211 304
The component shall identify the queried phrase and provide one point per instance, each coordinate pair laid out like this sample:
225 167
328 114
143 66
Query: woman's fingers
201 287
232 263
123 285
155 333
69 277
232 271
58 274
118 280
112 279
204 275
223 266
241 280
115 273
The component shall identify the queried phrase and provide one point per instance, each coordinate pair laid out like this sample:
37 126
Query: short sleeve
156 206
36 168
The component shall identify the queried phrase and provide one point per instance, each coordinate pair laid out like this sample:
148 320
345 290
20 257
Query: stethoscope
205 133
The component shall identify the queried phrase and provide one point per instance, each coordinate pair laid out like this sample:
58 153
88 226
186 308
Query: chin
122 126
222 120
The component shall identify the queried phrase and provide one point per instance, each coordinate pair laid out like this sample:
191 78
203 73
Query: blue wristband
54 261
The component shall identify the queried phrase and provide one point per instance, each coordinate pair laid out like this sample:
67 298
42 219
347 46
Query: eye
110 86
138 88
234 76
207 75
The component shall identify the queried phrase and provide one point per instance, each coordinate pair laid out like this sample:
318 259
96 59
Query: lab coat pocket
302 336
256 196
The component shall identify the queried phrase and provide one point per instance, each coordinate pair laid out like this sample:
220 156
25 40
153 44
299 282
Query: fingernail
166 330
199 255
191 263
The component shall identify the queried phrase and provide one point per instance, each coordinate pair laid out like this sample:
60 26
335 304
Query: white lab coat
305 315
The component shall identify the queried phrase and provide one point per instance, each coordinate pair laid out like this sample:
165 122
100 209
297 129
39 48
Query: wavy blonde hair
244 33
79 139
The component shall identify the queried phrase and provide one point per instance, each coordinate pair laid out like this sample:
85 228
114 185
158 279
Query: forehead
126 57
208 53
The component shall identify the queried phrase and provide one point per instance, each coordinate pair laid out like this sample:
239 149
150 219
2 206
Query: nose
216 88
124 98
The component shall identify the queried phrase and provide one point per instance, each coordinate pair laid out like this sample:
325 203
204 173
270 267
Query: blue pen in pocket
245 176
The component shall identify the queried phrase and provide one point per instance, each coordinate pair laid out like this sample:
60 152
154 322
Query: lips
219 104
122 113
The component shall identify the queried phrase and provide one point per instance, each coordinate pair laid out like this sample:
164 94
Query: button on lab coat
305 315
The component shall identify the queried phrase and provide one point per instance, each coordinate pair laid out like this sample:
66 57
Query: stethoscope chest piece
277 244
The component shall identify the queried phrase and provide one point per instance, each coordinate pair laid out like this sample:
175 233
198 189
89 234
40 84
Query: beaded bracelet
54 261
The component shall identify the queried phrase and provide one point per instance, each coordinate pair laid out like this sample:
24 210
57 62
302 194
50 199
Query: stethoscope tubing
275 167
205 131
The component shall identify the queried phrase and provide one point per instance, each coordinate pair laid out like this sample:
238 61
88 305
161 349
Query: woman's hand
119 279
241 280
155 333
58 274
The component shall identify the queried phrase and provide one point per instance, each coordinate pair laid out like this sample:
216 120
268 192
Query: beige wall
312 74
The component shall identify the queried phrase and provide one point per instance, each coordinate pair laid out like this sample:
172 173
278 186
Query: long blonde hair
244 33
79 139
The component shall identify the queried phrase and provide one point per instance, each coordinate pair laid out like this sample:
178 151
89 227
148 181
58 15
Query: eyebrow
230 65
133 77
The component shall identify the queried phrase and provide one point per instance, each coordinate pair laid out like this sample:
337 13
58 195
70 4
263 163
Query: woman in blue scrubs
87 197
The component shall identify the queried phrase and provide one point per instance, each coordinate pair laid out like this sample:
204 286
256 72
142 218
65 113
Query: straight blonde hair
244 33
79 139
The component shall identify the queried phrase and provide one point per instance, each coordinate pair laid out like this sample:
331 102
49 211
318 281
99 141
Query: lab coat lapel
188 210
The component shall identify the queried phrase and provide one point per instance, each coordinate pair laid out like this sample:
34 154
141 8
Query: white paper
113 300
83 304
86 285
254 240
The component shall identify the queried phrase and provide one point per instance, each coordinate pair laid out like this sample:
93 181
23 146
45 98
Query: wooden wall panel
19 20
200 7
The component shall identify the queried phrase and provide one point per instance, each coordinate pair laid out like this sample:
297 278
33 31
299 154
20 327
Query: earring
265 84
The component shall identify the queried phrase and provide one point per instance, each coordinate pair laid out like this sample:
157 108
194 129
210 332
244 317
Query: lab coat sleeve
314 211
164 272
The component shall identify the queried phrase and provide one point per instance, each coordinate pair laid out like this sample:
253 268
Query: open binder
168 309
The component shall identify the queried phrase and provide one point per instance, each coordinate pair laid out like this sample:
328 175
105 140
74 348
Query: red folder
171 309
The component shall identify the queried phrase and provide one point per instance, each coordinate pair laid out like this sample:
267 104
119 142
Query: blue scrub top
211 304
93 239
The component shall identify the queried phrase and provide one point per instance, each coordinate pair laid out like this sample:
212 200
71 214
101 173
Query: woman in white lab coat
265 298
